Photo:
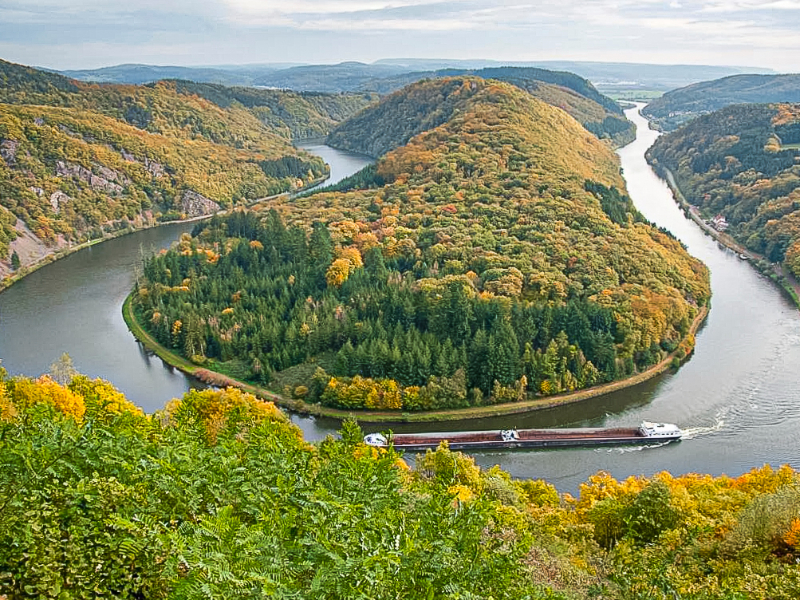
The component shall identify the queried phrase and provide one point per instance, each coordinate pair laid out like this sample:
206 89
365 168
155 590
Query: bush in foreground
218 496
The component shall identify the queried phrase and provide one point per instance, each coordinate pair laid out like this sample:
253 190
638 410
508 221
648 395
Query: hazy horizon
396 60
87 34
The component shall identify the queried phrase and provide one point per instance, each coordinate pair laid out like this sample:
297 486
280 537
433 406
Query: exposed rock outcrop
154 168
97 182
58 198
29 248
197 205
8 151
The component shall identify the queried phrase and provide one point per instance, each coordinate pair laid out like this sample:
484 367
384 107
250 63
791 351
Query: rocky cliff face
103 181
197 205
8 151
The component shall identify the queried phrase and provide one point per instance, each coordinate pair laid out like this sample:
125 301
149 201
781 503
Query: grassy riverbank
459 414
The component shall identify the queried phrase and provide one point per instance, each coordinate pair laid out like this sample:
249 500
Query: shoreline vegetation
456 414
9 280
785 281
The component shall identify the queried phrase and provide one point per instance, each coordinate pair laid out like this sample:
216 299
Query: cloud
327 30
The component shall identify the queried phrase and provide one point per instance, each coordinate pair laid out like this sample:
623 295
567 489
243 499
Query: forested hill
743 162
400 116
562 79
296 115
78 160
496 256
677 107
578 97
233 116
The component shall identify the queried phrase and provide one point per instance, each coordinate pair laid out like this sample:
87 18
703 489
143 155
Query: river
738 397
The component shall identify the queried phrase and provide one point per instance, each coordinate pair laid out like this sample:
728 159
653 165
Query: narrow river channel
738 397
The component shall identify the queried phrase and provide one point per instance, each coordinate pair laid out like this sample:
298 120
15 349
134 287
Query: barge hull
551 443
532 438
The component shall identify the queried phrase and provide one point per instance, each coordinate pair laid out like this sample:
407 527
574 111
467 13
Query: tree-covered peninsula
219 496
743 163
494 256
78 160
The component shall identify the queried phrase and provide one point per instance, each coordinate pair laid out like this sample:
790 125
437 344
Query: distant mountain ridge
355 76
679 106
141 74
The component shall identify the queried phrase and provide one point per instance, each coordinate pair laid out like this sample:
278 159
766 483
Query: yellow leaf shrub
101 397
217 408
28 392
7 410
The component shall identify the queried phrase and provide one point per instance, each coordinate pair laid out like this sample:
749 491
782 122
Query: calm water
738 397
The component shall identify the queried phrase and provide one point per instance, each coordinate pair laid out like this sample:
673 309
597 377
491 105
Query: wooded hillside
677 107
575 95
78 160
496 256
743 162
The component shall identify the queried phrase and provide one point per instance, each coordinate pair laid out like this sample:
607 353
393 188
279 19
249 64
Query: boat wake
691 433
628 449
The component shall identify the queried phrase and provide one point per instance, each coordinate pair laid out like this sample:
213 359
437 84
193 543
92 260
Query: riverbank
457 414
23 272
47 259
775 272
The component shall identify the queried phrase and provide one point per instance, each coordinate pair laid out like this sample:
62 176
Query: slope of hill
343 77
499 252
239 117
68 175
679 106
79 159
599 114
295 115
743 162
141 74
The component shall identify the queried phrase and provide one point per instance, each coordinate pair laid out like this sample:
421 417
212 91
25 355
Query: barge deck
647 433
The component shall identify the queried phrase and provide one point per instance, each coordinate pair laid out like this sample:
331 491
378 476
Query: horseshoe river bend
738 398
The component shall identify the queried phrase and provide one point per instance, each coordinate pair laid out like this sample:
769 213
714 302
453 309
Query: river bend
738 397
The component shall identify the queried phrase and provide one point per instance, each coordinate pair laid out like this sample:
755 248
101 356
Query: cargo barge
646 433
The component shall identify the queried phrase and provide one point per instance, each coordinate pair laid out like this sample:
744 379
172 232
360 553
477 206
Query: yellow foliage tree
338 272
101 397
216 409
27 393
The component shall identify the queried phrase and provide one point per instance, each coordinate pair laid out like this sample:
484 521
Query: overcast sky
92 33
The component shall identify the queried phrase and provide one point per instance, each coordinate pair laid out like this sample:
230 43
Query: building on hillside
719 223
